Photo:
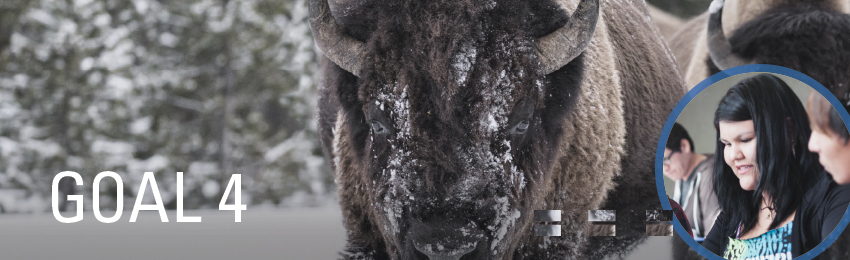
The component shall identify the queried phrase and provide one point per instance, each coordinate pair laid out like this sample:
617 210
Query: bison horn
345 51
719 48
562 46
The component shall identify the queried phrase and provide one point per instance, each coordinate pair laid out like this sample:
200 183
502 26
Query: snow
298 142
42 52
264 233
141 6
153 164
119 86
492 125
440 249
715 6
17 200
104 146
138 86
117 57
141 125
82 3
602 215
222 20
400 164
168 39
113 153
18 42
42 16
115 36
7 146
490 5
45 148
506 220
210 189
463 62
102 20
86 63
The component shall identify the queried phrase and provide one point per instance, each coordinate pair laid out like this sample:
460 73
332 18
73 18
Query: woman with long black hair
775 198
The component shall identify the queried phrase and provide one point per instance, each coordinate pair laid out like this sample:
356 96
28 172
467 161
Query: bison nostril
440 252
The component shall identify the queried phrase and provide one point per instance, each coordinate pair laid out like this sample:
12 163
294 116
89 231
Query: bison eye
520 118
520 128
376 117
378 128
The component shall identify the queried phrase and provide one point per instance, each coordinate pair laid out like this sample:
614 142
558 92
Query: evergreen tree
208 88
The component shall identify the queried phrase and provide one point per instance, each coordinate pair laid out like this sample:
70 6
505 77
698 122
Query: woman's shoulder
822 209
725 224
718 237
826 191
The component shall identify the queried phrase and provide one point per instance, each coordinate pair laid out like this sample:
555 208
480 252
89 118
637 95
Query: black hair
786 168
674 140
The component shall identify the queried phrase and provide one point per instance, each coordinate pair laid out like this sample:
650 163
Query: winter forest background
205 87
208 88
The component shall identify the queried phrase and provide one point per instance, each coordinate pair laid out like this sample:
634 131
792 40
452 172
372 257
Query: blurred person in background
692 175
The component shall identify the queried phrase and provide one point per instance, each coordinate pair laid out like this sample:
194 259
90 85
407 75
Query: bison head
808 36
447 118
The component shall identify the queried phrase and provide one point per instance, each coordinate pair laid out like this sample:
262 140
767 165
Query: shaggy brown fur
659 230
598 230
689 43
411 145
667 23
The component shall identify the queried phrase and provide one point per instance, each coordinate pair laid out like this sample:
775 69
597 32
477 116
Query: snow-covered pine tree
209 88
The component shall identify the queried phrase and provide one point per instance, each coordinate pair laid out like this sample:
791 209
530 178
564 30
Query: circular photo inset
759 160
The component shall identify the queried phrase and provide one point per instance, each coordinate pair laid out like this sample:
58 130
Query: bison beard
448 132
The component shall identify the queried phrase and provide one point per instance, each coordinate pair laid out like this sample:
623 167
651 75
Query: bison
448 122
810 36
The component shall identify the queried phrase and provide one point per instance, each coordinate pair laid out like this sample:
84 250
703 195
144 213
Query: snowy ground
653 248
293 233
302 233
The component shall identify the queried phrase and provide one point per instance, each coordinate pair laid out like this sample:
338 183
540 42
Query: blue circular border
662 140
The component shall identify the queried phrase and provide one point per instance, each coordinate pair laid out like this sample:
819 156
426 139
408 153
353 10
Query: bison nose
441 252
445 239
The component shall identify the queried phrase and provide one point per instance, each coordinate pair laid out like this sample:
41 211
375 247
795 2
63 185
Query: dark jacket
818 214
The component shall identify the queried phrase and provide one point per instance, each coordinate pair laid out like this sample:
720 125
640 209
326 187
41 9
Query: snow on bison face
452 181
448 129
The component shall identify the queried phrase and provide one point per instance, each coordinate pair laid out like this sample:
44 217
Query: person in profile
691 172
830 138
776 200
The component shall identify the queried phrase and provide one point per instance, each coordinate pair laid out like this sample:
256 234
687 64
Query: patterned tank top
774 245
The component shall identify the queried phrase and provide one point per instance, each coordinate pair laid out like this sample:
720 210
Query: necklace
768 213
